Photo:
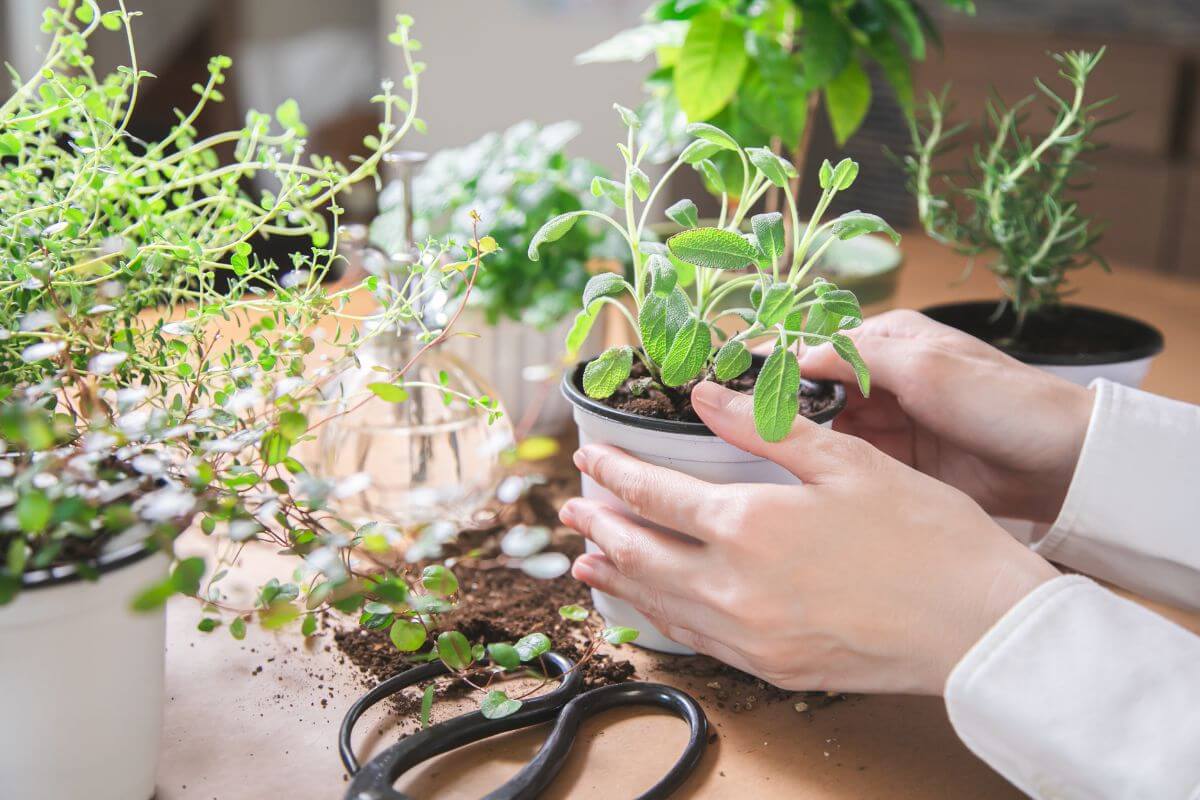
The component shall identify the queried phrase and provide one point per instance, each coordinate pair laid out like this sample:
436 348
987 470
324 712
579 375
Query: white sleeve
1132 513
1077 693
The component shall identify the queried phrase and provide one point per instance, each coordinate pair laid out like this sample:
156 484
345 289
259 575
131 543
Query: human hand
868 577
1006 433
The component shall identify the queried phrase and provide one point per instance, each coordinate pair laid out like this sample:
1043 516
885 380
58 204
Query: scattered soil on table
637 397
727 688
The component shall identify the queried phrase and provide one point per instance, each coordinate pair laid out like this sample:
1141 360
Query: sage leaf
710 64
610 189
552 230
846 348
825 174
688 351
629 118
640 182
407 635
660 319
713 135
497 705
841 303
605 373
697 151
768 231
454 650
776 169
684 214
776 303
777 395
713 248
662 274
635 44
856 223
712 176
579 331
845 173
604 284
732 360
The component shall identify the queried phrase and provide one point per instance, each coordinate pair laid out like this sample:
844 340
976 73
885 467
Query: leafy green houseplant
1016 207
137 397
676 328
760 69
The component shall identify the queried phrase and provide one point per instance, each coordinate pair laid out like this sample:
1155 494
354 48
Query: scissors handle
376 780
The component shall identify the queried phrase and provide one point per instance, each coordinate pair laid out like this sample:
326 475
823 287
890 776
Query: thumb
810 451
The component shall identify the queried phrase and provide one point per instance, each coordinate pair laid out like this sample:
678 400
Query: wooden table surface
246 719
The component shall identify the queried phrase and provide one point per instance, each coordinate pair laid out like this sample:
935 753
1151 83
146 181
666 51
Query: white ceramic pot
690 448
81 683
1127 364
503 353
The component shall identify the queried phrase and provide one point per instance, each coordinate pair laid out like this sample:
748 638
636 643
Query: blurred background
495 63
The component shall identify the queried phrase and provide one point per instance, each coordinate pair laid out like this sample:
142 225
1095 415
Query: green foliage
677 328
758 68
1016 201
514 179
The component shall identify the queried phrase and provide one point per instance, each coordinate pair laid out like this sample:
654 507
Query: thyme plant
676 328
137 397
1015 199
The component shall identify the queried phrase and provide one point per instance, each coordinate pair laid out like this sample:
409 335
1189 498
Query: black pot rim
572 389
107 562
1153 345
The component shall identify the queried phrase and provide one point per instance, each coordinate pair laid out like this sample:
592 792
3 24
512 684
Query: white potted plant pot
81 677
690 448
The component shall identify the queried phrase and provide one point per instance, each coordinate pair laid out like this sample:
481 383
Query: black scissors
376 780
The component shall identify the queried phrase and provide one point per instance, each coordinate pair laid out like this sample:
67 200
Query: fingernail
583 570
582 458
567 513
712 396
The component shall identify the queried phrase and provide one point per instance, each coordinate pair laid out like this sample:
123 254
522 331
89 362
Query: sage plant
676 293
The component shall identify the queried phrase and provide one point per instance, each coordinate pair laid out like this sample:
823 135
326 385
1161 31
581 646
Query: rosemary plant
1015 200
675 328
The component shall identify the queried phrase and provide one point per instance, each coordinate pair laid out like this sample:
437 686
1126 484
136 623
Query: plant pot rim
121 557
572 388
1151 346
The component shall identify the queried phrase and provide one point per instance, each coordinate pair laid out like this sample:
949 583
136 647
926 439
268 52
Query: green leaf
389 392
153 597
207 625
407 635
293 425
662 274
439 580
619 634
769 233
237 628
635 44
497 705
856 223
827 44
309 626
847 98
896 69
688 351
732 360
845 348
553 230
454 650
531 646
640 182
776 303
186 575
777 395
573 613
774 95
504 655
33 512
274 448
605 373
660 319
10 145
713 179
580 329
710 65
713 135
825 174
697 151
684 214
712 248
427 704
910 26
841 303
604 284
844 174
628 118
604 187
776 169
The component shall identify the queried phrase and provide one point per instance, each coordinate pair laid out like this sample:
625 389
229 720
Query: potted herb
1015 207
760 71
638 397
137 397
514 179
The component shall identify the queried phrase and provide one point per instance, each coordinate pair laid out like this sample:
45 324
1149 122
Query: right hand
1005 433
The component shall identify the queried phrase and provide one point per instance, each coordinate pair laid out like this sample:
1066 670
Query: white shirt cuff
1078 693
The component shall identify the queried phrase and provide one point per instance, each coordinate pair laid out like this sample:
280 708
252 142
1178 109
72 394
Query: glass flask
432 457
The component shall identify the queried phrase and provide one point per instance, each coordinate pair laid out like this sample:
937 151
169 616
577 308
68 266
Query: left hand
868 577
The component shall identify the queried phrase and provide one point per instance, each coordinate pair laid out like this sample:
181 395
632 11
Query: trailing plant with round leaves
1016 198
137 397
676 328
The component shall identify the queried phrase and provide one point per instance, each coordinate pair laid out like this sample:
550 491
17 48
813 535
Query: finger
658 494
809 451
654 557
675 617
